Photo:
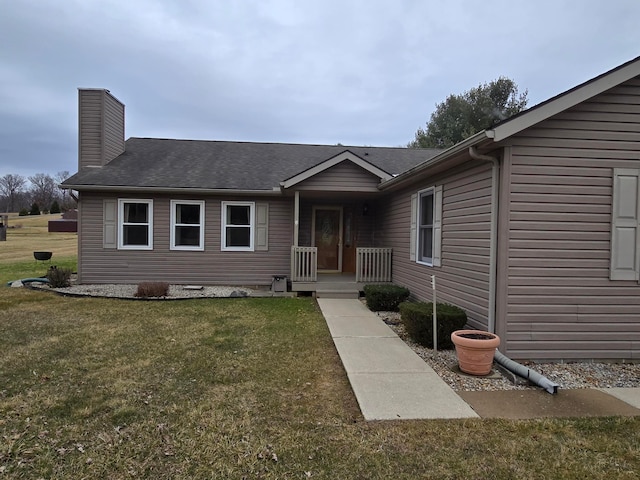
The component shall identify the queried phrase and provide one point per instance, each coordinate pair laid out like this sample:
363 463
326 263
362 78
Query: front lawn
240 388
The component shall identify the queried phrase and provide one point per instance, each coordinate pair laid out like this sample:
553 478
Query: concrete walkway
389 380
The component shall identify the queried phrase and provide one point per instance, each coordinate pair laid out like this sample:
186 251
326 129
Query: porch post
296 218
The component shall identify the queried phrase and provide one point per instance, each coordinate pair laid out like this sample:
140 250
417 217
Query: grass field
238 388
29 234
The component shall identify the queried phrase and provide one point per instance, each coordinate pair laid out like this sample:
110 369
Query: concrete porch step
335 293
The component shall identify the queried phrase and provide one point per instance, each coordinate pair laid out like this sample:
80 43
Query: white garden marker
435 317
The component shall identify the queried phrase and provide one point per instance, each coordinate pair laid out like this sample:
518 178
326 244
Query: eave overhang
413 174
169 190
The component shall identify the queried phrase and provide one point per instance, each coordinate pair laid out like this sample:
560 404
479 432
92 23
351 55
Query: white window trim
121 224
251 226
174 204
431 190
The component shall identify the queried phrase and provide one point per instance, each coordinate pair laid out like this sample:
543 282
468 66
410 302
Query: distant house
68 222
531 226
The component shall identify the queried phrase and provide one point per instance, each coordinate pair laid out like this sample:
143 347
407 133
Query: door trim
340 235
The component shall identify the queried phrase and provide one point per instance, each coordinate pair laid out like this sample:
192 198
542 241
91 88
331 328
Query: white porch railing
304 264
373 265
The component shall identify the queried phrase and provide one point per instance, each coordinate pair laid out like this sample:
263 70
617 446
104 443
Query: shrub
35 209
55 207
385 297
418 321
23 212
152 289
59 277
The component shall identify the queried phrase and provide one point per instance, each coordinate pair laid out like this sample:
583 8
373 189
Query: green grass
100 388
32 269
29 234
238 388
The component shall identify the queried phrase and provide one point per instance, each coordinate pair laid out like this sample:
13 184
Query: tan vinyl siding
560 301
113 139
343 177
209 267
463 278
101 127
89 128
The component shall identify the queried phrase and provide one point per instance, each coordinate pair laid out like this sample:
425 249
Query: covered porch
335 252
338 239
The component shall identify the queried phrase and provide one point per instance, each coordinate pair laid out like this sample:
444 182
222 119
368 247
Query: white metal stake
435 318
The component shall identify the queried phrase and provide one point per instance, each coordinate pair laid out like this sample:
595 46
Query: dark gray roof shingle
165 163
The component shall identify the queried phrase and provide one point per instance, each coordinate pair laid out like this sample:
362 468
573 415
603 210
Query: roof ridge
246 142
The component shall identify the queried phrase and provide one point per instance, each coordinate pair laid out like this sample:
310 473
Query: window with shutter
238 226
135 224
426 226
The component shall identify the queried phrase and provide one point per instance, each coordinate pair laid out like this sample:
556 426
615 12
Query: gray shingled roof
164 163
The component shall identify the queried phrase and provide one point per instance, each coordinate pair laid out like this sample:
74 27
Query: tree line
35 194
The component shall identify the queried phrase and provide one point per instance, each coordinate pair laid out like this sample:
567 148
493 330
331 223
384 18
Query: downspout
493 241
506 362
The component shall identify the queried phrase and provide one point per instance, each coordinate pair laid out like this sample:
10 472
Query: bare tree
43 189
59 178
10 186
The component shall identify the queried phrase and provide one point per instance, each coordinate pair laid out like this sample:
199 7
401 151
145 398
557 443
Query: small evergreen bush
23 212
152 289
59 277
417 318
35 209
385 298
55 207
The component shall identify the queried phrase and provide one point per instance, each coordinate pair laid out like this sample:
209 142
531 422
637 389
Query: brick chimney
100 127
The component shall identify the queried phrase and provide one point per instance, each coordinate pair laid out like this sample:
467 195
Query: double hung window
425 226
237 226
136 224
187 225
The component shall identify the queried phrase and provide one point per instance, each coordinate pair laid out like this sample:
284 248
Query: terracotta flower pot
475 350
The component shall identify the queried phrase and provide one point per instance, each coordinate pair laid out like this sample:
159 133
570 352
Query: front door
327 237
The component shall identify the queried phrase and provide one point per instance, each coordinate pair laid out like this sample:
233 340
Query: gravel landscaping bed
175 291
567 375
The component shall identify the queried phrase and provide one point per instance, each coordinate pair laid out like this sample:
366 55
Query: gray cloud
318 71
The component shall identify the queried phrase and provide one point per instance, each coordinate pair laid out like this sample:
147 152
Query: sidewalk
391 382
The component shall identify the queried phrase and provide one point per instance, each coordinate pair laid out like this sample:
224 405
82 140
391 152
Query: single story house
530 226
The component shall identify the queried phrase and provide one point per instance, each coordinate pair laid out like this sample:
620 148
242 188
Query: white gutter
439 158
493 246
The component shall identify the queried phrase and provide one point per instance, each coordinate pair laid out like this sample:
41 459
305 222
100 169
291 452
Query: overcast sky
302 71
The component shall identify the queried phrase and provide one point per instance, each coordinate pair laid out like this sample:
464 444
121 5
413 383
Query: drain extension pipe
493 242
527 373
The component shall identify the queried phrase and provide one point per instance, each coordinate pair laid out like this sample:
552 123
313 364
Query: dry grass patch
29 234
240 388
